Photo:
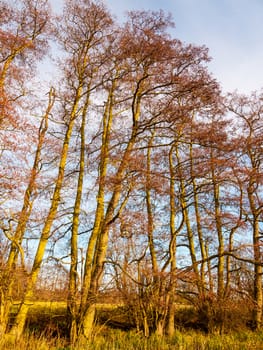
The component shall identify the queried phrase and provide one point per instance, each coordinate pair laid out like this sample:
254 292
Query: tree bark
19 323
17 238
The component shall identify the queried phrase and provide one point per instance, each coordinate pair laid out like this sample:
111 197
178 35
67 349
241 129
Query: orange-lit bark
24 216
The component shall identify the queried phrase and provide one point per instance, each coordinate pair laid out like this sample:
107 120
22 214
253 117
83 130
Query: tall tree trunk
198 223
150 219
17 238
73 274
218 323
190 234
20 319
218 224
87 310
170 325
258 270
98 242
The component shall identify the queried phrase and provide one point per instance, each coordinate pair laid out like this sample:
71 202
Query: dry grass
47 330
108 339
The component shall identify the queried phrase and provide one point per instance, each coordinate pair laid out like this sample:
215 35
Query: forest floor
47 329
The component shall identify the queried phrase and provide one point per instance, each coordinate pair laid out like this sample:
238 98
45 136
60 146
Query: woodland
127 178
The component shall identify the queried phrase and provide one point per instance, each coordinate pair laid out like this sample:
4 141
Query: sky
231 29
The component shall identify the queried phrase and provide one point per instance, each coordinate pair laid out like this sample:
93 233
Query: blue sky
231 29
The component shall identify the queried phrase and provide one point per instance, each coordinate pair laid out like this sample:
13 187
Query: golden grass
108 339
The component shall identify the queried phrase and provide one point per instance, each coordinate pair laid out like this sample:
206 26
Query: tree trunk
88 321
258 270
5 302
20 319
198 223
190 234
218 224
98 242
73 274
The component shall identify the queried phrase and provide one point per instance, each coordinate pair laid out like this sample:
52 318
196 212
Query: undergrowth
47 329
109 339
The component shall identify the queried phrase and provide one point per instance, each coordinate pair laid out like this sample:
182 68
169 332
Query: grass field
108 339
47 323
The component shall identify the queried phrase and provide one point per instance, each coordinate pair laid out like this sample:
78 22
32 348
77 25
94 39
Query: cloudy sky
231 29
